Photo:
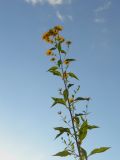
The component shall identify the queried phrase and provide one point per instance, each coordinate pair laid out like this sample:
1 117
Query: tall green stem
69 108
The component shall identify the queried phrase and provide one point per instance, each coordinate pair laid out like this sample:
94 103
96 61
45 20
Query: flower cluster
53 34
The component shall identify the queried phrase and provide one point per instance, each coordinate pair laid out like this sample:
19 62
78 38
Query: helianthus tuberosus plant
76 124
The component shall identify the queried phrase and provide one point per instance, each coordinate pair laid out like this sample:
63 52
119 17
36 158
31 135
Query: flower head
65 75
66 62
59 28
49 52
71 100
52 33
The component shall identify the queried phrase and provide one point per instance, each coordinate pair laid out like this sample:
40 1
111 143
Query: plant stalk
69 108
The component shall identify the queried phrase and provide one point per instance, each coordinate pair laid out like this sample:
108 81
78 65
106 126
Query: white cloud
34 2
99 12
106 6
99 20
55 2
60 16
51 2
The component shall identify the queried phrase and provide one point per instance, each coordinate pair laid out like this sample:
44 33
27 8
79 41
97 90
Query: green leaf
59 47
92 127
84 153
57 73
70 60
83 130
61 130
58 101
58 135
63 153
99 150
52 68
59 63
65 93
82 99
81 116
70 85
53 48
73 75
72 146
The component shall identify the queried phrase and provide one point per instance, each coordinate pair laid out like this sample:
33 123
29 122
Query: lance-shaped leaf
53 68
70 59
59 47
80 114
84 153
73 75
99 150
92 127
63 153
82 118
70 85
58 101
83 130
53 48
65 94
57 73
62 130
82 99
59 63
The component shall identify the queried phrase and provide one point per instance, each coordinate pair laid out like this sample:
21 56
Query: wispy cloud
99 12
106 6
55 2
60 16
99 20
51 2
34 2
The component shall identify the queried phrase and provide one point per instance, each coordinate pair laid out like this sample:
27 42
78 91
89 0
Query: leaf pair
84 129
54 71
58 101
61 131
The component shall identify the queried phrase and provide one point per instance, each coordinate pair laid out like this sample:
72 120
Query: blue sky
26 120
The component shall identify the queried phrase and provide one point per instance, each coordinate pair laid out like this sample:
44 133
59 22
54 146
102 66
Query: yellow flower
65 75
52 59
53 32
71 100
49 52
45 35
59 28
48 40
66 62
